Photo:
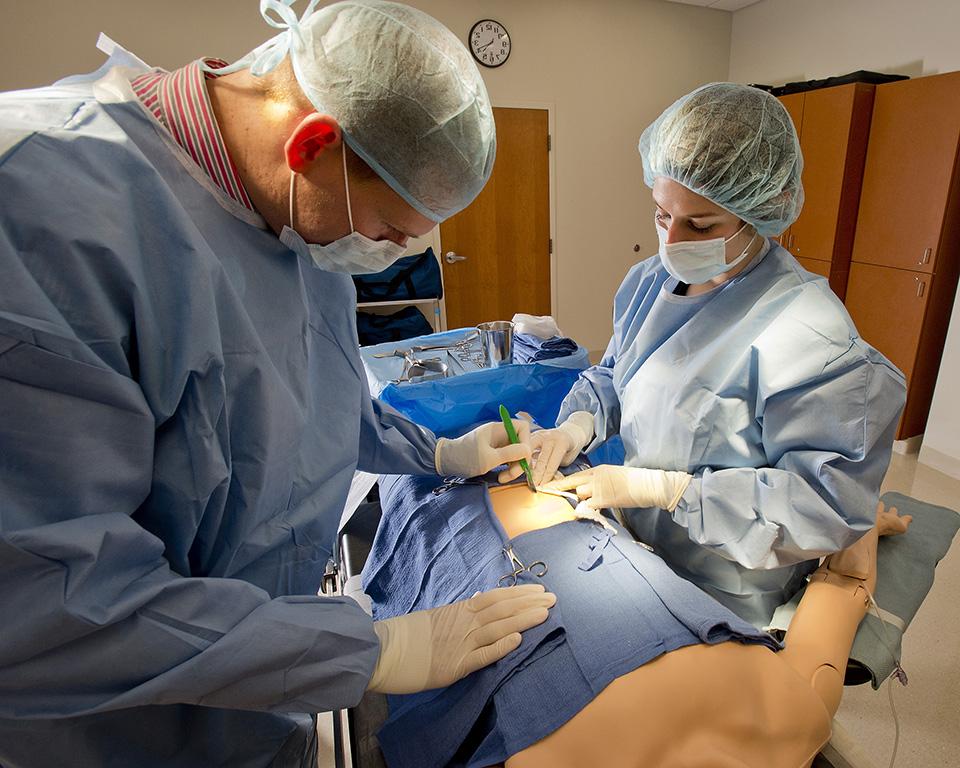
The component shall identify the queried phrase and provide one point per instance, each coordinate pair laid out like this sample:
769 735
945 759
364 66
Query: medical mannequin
718 705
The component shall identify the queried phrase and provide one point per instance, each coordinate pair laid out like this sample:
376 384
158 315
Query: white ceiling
720 5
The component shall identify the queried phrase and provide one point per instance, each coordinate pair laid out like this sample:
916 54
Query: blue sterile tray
470 395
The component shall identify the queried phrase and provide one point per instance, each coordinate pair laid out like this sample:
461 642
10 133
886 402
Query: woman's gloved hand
558 447
482 449
609 485
435 648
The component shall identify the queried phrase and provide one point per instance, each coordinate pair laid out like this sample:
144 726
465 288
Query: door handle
451 257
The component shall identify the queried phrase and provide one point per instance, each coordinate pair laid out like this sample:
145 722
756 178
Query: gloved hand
434 648
609 485
482 449
558 447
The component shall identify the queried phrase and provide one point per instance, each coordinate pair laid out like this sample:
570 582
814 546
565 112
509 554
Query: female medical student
757 424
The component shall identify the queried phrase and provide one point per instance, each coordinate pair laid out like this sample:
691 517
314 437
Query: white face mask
353 254
697 261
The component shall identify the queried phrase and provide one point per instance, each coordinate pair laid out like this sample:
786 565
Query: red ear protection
308 140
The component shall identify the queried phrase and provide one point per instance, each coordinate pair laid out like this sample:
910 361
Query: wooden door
500 244
826 129
910 161
888 306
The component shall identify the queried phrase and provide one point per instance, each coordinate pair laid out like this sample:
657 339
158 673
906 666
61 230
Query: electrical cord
898 673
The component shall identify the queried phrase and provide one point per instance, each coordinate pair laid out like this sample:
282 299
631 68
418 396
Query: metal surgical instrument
538 568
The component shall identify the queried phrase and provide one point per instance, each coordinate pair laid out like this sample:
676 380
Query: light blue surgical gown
182 408
764 392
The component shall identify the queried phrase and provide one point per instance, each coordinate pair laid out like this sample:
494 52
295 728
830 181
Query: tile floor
929 707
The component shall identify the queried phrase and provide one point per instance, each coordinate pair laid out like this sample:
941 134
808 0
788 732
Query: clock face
489 43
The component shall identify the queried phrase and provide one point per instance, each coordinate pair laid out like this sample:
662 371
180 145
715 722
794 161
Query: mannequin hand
435 648
482 449
609 485
558 447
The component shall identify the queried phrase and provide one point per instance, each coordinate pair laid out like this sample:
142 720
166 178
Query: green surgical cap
408 98
736 146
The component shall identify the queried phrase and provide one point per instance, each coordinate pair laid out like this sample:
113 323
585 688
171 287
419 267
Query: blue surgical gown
764 392
182 408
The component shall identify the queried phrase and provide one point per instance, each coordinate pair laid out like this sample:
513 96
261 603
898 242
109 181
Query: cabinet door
910 160
826 130
887 306
794 103
815 265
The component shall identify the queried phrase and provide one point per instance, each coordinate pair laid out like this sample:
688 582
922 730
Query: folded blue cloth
528 348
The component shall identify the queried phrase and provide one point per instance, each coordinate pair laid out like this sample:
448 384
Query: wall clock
489 42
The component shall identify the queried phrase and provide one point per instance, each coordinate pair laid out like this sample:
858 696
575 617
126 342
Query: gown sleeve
595 393
828 443
392 444
96 620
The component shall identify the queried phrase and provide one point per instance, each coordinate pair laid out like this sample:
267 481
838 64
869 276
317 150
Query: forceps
538 568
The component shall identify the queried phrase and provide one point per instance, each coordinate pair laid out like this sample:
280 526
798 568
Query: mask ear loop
745 251
346 188
346 184
293 175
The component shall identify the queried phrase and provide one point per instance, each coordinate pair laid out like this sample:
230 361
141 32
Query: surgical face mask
697 261
353 254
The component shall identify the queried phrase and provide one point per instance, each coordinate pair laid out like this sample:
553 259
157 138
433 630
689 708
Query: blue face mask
353 254
697 261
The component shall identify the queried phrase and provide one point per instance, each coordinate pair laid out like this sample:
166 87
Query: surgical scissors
538 568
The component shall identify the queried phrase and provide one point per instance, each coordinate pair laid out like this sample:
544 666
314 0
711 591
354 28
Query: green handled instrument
512 434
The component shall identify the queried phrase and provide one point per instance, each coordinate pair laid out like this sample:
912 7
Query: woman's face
685 215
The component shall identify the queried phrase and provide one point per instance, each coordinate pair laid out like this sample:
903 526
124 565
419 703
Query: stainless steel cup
496 343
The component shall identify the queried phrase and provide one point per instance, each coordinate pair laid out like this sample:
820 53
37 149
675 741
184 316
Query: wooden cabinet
872 292
910 162
816 266
833 125
906 250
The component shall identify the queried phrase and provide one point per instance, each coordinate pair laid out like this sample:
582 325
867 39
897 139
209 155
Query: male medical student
182 402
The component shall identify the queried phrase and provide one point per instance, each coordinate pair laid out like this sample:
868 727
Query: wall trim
942 462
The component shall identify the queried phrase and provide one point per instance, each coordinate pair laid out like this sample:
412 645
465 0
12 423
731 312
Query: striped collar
179 100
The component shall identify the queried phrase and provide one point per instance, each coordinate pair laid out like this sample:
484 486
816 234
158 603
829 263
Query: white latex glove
482 449
435 648
558 447
609 485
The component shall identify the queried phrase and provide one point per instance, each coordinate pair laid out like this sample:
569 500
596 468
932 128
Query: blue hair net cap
408 97
736 146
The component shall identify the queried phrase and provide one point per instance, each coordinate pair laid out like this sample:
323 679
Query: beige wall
606 68
776 41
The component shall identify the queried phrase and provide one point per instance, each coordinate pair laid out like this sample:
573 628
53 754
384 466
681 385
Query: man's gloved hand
609 485
435 648
482 449
558 447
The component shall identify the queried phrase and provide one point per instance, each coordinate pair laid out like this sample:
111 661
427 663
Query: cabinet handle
921 286
927 253
790 241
